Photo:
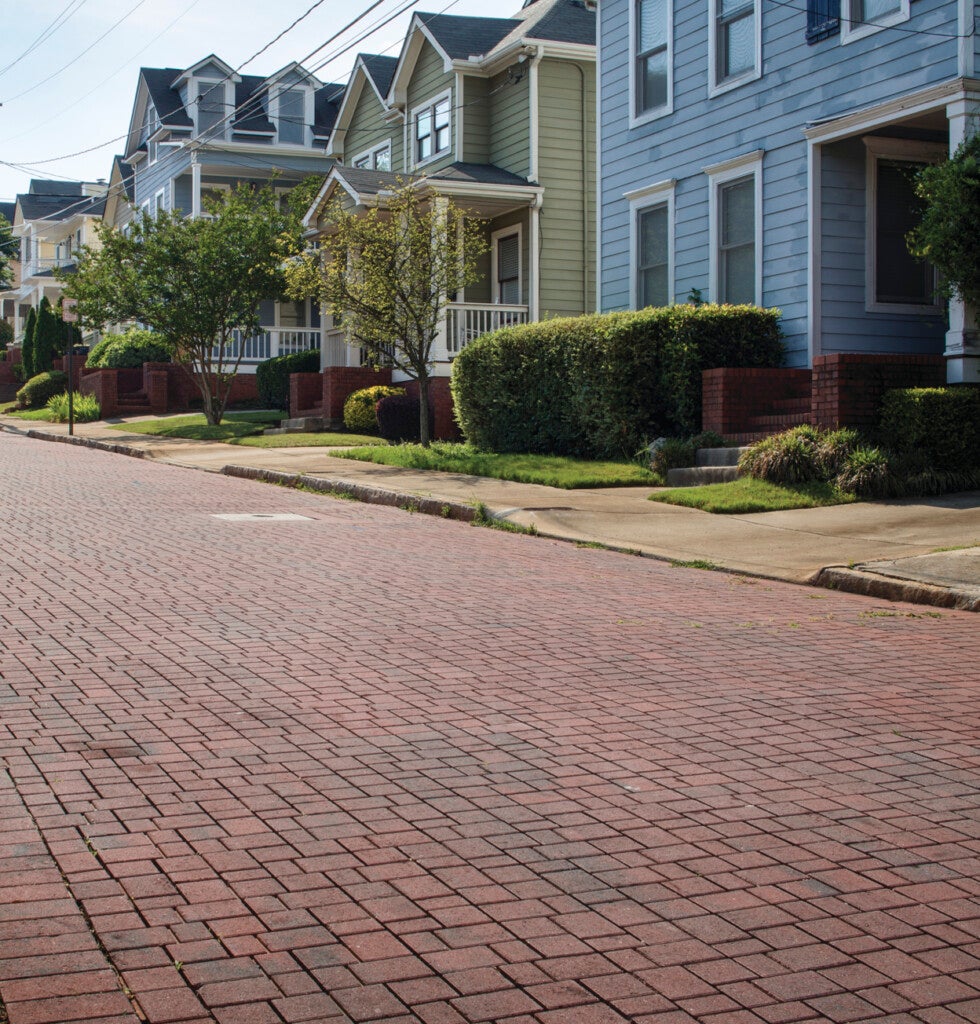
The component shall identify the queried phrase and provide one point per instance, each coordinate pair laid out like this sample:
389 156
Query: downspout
585 190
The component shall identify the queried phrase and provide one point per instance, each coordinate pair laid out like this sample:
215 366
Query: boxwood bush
360 416
36 392
272 376
940 426
602 385
130 350
398 417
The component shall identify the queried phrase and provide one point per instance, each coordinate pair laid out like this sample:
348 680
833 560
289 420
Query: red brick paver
378 767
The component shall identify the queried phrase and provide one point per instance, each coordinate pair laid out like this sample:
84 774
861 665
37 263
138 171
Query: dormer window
378 159
210 108
432 125
292 116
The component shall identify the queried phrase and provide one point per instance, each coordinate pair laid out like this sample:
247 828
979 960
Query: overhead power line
71 8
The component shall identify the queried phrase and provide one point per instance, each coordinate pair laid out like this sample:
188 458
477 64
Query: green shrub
792 457
272 376
18 369
6 335
398 417
940 425
48 337
27 344
867 473
130 350
360 409
672 453
834 448
36 392
86 408
599 385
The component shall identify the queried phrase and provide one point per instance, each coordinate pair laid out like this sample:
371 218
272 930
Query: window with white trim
432 129
210 108
652 256
734 43
378 159
895 280
291 116
651 33
506 272
735 211
159 202
864 17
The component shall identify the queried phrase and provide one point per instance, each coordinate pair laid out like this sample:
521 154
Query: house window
378 159
507 266
735 211
292 313
292 116
651 34
863 17
210 108
822 19
159 203
653 263
432 129
895 281
735 43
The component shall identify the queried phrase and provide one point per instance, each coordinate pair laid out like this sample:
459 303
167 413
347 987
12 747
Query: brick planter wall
444 426
341 381
732 398
104 385
848 387
305 394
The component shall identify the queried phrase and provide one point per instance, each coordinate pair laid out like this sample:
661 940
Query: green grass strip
550 470
305 440
747 494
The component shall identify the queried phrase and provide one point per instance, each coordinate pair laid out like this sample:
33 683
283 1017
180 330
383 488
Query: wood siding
510 136
368 130
800 85
429 80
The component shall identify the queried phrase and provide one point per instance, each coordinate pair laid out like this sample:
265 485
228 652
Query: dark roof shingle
461 36
381 69
569 21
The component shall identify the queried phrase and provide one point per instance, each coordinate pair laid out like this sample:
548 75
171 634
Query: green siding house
497 114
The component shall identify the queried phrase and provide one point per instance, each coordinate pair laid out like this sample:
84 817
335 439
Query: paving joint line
86 917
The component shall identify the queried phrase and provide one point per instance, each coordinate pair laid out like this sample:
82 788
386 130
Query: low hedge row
601 386
941 426
272 376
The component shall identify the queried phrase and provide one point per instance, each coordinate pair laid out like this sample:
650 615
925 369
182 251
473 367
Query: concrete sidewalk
885 548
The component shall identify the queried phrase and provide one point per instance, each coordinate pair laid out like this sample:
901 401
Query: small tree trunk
424 410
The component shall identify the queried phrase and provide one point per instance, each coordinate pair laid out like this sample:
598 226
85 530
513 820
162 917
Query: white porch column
963 336
534 259
440 346
195 189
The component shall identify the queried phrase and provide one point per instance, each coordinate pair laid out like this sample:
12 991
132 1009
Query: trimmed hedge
939 426
272 376
602 385
398 417
130 350
360 416
36 392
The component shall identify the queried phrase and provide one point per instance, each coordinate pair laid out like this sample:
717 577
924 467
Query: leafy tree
386 275
27 344
948 236
8 252
195 281
48 336
6 335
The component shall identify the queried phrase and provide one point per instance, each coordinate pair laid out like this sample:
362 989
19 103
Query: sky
47 112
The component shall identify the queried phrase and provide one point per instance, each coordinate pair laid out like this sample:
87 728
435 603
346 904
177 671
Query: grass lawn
241 428
37 415
750 495
551 470
307 440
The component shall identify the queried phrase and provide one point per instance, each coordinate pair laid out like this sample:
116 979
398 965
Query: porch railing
271 341
468 320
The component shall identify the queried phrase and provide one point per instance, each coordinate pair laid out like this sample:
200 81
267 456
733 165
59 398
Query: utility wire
71 8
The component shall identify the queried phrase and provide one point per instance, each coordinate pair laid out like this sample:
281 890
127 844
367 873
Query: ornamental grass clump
867 473
792 457
86 408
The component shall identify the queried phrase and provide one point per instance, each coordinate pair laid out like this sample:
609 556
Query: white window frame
661 193
878 148
495 236
159 201
413 120
371 155
716 87
214 186
637 116
198 92
851 31
720 175
307 113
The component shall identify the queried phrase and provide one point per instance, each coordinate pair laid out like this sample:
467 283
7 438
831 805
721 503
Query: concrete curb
855 581
371 495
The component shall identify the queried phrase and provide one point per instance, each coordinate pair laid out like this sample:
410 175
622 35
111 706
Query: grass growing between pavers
750 495
241 428
550 470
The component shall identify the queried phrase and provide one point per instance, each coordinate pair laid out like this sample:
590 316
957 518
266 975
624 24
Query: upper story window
432 129
734 43
377 159
292 116
211 108
863 17
651 33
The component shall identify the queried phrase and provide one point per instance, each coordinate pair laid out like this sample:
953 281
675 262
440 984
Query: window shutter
822 19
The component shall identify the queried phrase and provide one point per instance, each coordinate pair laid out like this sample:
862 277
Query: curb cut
369 495
854 581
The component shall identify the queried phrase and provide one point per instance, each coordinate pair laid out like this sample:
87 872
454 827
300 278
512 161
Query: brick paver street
373 766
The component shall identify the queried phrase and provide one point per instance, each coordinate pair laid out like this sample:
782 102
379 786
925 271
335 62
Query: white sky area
90 101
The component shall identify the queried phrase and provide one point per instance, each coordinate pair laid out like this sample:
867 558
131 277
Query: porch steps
299 425
133 403
712 466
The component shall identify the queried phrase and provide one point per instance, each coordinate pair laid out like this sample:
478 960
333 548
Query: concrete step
695 476
299 425
717 456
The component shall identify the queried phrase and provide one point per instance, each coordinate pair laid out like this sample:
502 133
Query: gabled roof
48 207
125 176
381 70
460 36
251 117
326 106
45 187
567 21
166 100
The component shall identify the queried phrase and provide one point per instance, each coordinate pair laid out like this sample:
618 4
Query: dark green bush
360 416
36 392
672 453
130 350
398 417
6 335
272 376
940 425
602 385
